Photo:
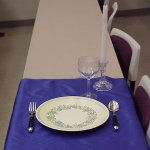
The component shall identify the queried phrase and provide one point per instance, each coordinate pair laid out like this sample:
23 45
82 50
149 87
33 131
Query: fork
32 110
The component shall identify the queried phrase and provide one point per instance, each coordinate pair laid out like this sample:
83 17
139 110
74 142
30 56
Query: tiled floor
13 51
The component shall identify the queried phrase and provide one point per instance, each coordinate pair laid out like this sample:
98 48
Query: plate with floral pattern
72 113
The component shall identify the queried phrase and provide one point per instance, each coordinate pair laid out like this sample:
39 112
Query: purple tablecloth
129 137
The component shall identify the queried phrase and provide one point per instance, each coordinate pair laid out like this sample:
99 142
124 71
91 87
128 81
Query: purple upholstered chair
128 53
142 103
111 12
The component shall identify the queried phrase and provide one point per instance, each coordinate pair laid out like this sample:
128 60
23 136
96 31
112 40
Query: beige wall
18 9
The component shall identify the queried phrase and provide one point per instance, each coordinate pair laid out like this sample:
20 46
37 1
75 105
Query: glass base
102 85
93 96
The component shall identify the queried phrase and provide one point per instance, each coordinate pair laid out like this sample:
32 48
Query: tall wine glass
88 66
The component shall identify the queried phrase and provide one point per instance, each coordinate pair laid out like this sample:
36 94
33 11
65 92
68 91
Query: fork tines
32 107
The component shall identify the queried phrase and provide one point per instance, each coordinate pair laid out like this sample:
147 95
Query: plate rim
73 129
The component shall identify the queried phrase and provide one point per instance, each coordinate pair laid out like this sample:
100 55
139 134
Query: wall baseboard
133 12
16 23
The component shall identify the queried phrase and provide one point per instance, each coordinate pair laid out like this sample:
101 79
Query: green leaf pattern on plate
90 118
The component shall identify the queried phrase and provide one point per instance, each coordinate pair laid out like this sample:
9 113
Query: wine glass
103 84
88 66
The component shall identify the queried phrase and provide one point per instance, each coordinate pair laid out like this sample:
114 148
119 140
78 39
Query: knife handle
115 122
31 124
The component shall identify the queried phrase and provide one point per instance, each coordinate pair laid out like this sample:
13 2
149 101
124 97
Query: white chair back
148 135
110 19
133 68
145 83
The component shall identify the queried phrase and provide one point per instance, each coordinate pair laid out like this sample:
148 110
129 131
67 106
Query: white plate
72 113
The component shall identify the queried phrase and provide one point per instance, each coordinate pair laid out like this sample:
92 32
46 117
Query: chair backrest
128 53
111 13
142 102
148 135
101 3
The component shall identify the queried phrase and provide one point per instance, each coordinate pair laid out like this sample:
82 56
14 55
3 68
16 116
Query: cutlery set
113 106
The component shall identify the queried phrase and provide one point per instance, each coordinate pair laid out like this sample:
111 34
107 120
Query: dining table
64 30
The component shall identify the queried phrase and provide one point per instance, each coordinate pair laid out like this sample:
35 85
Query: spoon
114 107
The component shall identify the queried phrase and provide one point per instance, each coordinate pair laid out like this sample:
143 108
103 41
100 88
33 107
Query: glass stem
101 73
102 76
88 88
